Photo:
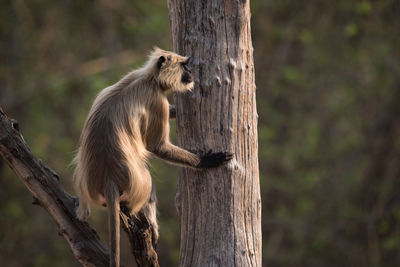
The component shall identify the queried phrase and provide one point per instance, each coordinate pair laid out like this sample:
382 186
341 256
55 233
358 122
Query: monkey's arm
179 156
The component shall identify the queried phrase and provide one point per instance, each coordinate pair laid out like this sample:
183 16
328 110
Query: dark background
328 94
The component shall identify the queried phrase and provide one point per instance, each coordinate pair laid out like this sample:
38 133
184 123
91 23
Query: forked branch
44 184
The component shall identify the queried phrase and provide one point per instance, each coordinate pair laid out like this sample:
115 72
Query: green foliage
327 80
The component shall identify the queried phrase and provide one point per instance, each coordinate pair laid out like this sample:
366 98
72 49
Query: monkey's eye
160 61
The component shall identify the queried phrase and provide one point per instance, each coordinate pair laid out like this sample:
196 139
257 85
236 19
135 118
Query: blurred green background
328 94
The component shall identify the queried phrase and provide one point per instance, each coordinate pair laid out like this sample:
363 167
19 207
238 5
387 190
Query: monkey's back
112 148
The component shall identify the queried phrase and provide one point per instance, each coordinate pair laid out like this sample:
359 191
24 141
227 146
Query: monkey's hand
212 160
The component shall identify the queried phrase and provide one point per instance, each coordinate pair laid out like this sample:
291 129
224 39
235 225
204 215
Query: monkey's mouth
187 78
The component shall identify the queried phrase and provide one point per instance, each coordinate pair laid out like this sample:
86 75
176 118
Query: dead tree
48 193
220 209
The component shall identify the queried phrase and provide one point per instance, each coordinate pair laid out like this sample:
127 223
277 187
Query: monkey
126 125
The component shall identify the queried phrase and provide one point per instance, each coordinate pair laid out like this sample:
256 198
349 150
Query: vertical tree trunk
220 209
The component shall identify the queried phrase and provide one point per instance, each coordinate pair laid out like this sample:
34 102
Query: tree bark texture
45 187
141 237
48 193
220 209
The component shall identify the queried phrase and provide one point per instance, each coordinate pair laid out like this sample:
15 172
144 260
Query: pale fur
128 122
115 139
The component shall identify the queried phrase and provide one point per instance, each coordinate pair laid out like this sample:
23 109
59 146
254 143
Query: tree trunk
220 209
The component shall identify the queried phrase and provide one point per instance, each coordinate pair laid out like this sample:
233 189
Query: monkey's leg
83 210
150 210
179 156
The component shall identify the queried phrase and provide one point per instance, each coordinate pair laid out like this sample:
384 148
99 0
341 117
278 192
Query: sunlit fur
126 121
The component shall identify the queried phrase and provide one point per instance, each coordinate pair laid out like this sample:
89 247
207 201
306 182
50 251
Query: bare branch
44 184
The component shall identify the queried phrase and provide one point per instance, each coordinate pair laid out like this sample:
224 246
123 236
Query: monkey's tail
112 197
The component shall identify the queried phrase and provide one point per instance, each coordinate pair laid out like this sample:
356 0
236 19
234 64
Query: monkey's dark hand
212 160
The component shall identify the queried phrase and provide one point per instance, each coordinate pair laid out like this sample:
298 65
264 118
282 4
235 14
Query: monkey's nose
187 77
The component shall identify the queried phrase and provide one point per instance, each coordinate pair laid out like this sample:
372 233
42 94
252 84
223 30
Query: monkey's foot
83 212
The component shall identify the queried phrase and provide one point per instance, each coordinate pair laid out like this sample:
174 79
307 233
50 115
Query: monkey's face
174 73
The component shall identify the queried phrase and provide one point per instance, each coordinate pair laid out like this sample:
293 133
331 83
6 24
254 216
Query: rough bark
48 193
141 238
220 209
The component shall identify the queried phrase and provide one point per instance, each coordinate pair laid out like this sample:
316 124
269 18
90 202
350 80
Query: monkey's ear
160 61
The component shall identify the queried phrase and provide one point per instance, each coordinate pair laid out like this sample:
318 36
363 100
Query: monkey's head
173 72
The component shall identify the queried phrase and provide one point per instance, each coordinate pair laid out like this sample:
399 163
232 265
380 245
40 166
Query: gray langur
128 123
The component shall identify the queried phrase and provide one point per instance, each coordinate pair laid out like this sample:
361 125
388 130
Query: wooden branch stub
35 201
140 234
